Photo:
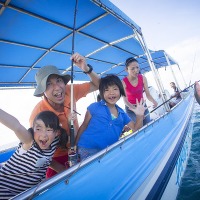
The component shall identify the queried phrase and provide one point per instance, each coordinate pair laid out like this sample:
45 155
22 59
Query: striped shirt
25 169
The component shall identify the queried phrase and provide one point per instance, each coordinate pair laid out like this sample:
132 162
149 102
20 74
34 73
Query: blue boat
147 164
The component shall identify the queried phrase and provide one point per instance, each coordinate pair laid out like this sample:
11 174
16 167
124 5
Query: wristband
90 69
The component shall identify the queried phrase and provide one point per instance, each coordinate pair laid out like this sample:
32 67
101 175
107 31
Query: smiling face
43 135
111 94
55 90
133 69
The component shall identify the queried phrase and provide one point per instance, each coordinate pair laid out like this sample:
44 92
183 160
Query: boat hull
174 183
139 166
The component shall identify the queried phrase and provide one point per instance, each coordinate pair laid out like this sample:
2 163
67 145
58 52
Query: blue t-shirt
102 130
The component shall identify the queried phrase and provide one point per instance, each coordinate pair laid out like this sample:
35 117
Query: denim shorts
86 152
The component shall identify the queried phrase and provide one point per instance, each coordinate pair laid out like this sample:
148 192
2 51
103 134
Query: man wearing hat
52 85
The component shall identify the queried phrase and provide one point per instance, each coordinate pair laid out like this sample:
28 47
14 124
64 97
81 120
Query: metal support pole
172 71
154 71
185 85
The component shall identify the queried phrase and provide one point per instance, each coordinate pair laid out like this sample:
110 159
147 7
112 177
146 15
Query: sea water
190 186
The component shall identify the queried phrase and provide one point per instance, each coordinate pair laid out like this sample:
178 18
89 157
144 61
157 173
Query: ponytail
63 138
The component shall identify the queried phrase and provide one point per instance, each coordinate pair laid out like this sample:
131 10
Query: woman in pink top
135 84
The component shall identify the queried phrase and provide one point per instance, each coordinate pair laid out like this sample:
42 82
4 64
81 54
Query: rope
34 192
103 154
67 181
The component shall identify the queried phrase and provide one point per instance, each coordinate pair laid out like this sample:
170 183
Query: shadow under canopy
38 33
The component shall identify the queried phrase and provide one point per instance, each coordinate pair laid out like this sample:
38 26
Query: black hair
130 60
98 97
63 138
51 120
110 80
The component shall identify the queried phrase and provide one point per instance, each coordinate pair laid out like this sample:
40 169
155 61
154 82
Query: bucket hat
42 76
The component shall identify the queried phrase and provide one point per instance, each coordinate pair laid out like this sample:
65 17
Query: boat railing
67 175
185 91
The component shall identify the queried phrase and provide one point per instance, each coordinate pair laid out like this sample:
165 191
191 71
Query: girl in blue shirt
105 120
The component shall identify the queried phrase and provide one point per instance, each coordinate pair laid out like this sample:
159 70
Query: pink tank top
134 92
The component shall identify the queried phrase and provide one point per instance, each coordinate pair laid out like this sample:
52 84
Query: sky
170 25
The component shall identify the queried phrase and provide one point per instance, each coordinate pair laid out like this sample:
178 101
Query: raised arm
148 95
12 123
197 92
80 62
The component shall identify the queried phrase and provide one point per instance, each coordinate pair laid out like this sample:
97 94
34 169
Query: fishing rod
73 110
72 155
172 97
193 66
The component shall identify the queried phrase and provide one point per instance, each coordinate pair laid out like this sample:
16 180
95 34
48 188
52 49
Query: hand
126 128
155 104
72 116
140 108
72 149
80 61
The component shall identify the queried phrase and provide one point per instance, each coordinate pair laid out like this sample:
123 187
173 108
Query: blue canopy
36 33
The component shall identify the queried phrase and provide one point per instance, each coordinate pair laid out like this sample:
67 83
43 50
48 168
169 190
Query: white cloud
187 54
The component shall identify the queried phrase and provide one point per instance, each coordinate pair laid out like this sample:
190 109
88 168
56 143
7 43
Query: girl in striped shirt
27 166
